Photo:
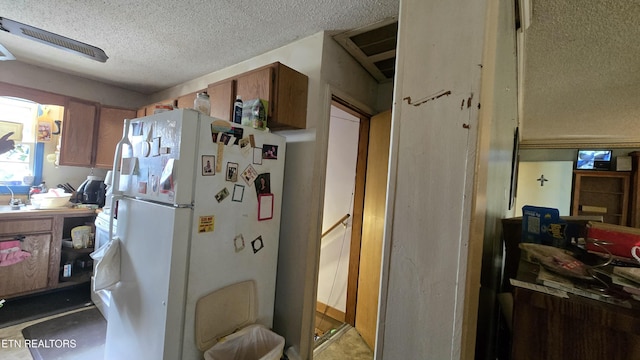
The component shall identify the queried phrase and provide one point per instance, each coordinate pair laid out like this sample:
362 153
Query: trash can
254 342
218 316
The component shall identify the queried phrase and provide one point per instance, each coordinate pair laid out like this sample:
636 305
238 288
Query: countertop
27 211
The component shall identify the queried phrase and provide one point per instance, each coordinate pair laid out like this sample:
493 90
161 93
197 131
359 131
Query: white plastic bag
254 342
107 267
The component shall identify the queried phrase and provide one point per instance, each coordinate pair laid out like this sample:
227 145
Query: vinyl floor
12 341
346 343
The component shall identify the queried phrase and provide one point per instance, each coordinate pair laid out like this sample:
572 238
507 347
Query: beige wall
17 73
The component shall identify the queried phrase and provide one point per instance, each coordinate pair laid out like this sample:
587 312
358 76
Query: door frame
358 207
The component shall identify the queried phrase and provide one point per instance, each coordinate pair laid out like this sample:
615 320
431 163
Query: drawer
26 226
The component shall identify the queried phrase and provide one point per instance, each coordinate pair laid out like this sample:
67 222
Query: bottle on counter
202 103
237 110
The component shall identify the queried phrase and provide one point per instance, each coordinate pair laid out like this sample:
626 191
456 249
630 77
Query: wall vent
374 46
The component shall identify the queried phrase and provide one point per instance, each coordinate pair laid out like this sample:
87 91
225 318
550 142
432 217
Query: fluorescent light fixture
55 40
5 54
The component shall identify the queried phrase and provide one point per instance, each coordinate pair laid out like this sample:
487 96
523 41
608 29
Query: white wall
338 201
431 184
498 163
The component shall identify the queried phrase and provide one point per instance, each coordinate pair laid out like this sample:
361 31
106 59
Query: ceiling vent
374 46
55 40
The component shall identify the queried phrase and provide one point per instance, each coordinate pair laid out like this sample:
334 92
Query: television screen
593 159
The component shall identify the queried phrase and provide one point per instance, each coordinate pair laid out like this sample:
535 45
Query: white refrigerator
200 211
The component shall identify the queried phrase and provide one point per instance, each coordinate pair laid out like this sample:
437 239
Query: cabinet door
221 95
284 88
149 109
110 128
78 133
257 84
289 109
30 274
186 101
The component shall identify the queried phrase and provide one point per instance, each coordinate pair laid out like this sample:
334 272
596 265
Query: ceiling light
55 40
5 54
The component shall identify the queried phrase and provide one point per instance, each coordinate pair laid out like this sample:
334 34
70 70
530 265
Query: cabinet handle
17 237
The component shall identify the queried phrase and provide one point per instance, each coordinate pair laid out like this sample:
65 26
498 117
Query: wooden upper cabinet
149 109
289 98
79 130
284 88
221 95
110 129
256 84
186 101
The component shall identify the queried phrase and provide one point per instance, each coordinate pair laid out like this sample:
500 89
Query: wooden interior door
373 227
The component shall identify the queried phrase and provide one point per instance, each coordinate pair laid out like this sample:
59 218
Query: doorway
353 214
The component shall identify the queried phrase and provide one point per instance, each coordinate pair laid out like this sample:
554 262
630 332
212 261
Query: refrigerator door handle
116 193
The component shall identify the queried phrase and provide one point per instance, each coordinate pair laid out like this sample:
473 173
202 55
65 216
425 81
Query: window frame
40 97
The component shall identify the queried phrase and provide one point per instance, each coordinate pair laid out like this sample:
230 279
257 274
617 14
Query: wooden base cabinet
40 233
604 193
35 272
549 327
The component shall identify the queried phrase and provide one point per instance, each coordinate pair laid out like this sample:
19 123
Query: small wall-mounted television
593 160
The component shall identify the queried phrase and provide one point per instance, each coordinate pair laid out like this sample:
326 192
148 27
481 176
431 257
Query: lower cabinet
30 274
40 235
549 327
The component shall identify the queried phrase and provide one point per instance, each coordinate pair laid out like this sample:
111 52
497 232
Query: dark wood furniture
634 218
549 327
603 193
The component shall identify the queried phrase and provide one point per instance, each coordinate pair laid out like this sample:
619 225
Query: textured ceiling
582 67
153 45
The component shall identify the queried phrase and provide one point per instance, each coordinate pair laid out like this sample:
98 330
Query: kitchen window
22 164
